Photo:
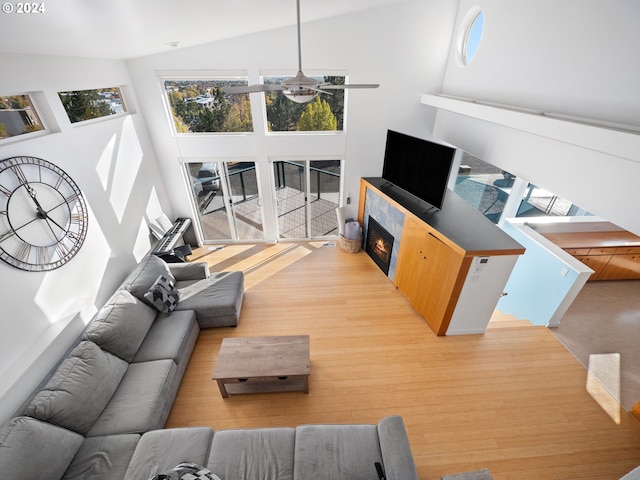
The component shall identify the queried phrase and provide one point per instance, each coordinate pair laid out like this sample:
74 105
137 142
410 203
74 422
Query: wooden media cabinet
451 264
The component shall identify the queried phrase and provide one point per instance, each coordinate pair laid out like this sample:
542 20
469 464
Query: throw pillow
187 471
163 295
146 272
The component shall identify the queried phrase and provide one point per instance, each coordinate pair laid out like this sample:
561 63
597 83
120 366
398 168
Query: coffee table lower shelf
236 386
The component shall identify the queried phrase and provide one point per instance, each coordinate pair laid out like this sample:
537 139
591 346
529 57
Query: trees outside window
317 116
200 106
283 115
82 105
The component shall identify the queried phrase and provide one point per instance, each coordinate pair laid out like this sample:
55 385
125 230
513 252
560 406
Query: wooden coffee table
263 364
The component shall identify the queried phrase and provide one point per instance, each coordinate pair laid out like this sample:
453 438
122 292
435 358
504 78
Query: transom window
18 116
200 106
324 113
82 105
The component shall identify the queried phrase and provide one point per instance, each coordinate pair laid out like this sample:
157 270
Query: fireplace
379 245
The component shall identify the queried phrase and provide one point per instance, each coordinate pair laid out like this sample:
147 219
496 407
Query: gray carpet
605 319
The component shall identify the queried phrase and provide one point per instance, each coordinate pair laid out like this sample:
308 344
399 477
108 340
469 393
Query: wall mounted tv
418 166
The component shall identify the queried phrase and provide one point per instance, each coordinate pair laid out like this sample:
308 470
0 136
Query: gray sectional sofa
100 414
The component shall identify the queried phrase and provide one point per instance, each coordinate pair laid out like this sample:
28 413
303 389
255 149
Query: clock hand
55 223
51 228
32 194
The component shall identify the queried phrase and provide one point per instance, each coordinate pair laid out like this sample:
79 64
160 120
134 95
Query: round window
472 33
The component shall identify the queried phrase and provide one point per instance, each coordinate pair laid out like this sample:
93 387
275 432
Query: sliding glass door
227 200
306 192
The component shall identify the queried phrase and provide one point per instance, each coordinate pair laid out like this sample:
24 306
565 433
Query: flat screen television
418 166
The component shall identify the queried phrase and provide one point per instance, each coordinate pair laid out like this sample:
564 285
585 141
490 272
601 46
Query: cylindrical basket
350 246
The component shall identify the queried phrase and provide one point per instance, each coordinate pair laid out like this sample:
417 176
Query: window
200 106
18 116
483 186
538 202
472 29
82 105
324 113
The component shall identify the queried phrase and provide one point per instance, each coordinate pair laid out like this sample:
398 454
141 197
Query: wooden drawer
628 251
621 267
596 262
577 251
603 251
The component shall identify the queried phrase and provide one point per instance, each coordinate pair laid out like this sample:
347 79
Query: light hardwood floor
513 400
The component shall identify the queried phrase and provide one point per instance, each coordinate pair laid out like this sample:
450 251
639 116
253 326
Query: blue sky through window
473 39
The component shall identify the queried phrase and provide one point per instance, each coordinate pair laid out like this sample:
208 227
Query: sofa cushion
121 325
187 471
163 295
337 452
139 281
103 458
141 402
189 271
161 450
217 300
79 389
254 453
22 437
170 337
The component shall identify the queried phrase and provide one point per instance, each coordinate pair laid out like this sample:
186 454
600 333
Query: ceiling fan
300 89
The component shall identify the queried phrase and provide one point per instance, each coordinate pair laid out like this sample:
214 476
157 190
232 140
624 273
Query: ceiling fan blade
350 85
319 90
252 89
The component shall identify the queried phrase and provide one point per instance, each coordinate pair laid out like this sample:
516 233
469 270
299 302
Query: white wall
573 57
403 48
113 163
484 284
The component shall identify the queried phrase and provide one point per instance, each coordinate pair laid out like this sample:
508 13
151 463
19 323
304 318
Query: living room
129 166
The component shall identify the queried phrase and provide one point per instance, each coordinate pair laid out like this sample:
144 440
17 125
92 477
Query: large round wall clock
43 215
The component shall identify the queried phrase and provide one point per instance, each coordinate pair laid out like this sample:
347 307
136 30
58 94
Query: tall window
324 113
18 116
200 106
82 105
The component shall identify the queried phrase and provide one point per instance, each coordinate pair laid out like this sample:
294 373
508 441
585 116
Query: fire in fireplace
379 245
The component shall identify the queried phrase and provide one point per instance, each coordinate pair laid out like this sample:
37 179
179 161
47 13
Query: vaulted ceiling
123 29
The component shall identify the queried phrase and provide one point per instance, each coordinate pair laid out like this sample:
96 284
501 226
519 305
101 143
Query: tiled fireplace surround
391 220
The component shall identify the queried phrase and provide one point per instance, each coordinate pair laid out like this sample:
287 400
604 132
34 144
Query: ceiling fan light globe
300 95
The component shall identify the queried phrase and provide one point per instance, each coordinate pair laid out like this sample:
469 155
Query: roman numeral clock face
43 215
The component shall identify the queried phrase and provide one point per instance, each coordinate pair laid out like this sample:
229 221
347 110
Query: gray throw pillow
145 274
163 295
186 471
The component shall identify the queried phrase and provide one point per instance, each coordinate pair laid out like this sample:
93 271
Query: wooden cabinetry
621 267
613 255
595 263
435 255
428 274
